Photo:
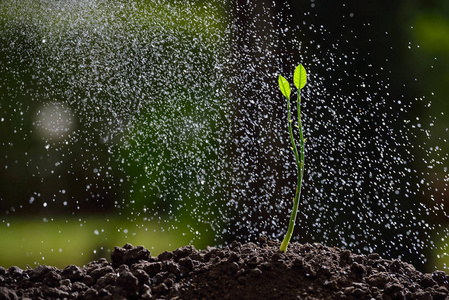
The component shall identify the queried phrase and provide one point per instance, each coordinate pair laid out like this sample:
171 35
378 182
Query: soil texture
237 271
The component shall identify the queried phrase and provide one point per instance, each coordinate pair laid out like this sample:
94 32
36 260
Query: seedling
299 79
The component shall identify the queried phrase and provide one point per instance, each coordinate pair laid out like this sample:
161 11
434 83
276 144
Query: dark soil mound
237 271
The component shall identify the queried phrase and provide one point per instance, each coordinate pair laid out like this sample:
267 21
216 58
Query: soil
237 271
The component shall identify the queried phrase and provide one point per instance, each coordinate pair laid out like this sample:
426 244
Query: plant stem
300 167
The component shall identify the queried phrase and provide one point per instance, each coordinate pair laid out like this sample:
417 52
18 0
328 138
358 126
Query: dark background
398 48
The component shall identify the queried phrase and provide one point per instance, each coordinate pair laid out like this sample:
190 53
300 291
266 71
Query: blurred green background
97 101
91 221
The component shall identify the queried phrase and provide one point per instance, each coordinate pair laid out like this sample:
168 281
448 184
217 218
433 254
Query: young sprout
299 79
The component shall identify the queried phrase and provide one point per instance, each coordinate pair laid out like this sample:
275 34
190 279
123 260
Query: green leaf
284 86
300 77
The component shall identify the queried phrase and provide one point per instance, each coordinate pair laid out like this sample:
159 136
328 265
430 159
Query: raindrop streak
167 114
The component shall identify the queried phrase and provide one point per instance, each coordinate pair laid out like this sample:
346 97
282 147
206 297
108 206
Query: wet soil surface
237 271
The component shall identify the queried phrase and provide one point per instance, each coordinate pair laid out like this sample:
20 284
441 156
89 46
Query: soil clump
237 271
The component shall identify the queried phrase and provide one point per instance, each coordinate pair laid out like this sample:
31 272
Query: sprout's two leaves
300 77
285 87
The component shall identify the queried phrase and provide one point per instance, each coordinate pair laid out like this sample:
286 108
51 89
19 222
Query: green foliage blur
430 35
84 90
